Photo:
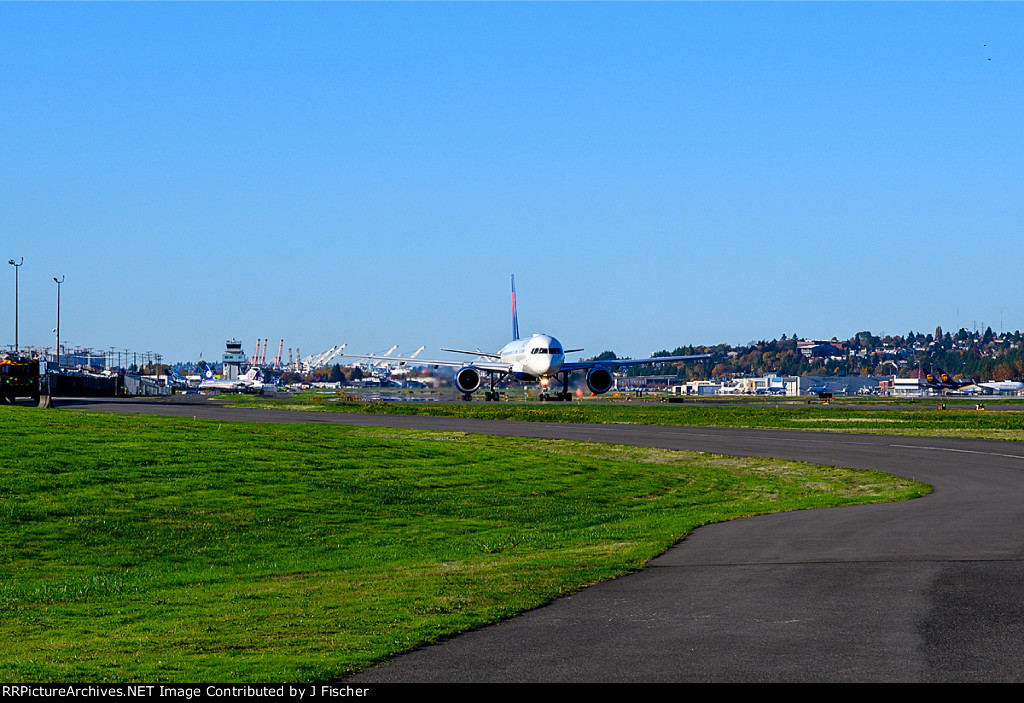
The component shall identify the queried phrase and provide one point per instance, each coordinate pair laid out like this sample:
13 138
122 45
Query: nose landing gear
563 394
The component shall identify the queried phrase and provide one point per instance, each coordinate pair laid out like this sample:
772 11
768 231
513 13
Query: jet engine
467 379
599 380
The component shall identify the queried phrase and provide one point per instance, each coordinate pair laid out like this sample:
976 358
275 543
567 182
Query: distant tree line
981 355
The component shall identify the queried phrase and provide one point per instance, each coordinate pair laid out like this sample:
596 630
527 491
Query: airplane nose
541 365
552 363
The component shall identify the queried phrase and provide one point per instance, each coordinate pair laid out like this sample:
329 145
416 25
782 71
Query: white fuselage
534 357
1003 386
246 382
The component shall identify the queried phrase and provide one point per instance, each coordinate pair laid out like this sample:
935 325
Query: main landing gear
489 394
492 394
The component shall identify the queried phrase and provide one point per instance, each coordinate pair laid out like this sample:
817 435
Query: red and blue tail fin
515 315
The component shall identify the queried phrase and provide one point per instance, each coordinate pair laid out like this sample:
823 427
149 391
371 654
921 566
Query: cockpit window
542 350
555 350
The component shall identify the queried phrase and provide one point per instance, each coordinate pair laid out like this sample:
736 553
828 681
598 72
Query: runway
924 590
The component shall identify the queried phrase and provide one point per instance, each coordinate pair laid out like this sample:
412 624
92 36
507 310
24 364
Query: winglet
515 316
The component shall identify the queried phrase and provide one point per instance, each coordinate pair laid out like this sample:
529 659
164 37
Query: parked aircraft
175 380
939 379
536 359
824 393
729 390
251 381
999 387
821 391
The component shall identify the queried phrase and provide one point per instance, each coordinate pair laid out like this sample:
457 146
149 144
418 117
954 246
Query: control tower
233 358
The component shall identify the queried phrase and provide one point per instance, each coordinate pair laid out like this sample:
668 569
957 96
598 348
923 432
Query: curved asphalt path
925 590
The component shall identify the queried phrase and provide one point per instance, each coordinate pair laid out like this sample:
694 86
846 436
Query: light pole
58 318
16 265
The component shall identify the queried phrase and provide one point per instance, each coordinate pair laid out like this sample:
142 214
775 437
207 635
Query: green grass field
874 416
138 548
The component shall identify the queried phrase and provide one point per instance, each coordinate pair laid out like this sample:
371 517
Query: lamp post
16 265
58 319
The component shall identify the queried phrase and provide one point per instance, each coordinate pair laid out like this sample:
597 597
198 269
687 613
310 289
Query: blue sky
654 174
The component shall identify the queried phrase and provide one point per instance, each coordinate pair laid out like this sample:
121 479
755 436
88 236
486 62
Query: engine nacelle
599 380
467 379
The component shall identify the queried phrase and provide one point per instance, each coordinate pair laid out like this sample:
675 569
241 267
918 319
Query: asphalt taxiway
923 590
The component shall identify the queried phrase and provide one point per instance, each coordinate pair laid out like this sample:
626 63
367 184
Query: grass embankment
138 548
922 419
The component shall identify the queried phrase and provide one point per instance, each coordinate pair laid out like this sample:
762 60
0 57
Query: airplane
536 359
999 387
939 379
931 379
823 391
961 383
175 380
251 381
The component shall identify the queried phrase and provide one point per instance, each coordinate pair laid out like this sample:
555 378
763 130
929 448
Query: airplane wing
495 366
504 367
615 363
474 353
